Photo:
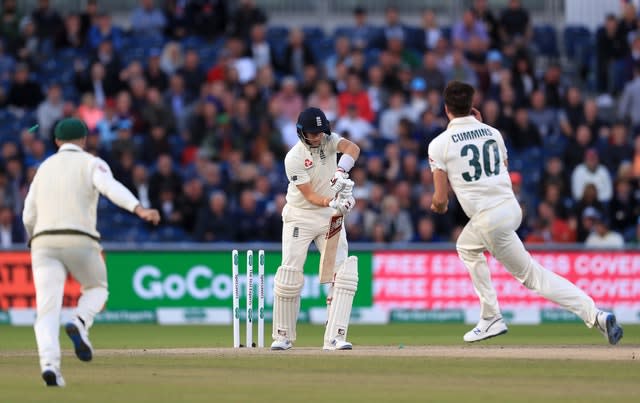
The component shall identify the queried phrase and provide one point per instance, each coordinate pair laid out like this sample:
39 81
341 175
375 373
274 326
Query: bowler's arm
440 200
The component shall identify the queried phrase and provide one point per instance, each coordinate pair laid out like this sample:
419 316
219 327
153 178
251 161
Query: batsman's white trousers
52 258
301 227
494 230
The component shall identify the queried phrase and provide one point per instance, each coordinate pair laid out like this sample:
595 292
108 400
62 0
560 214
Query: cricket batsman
318 189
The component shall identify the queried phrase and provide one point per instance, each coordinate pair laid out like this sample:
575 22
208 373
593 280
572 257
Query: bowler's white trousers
494 230
52 258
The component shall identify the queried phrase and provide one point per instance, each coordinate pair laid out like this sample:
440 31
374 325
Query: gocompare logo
201 283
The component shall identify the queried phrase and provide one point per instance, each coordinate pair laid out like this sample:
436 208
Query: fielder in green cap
60 217
70 129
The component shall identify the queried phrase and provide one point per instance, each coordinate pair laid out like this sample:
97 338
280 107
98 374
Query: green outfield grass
227 376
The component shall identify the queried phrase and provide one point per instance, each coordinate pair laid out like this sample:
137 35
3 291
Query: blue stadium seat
277 33
313 33
577 41
546 40
343 30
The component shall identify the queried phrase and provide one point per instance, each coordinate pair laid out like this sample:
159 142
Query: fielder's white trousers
52 258
494 230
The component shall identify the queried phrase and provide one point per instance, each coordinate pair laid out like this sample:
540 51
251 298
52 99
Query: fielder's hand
338 182
343 205
147 214
476 114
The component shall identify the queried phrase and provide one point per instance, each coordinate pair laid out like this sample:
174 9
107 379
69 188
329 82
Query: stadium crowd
195 106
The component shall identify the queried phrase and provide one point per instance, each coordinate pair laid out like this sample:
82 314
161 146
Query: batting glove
347 190
338 181
343 205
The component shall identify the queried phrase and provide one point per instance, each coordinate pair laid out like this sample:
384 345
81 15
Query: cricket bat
328 253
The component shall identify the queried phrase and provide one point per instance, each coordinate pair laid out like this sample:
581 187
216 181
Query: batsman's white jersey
60 218
315 166
474 157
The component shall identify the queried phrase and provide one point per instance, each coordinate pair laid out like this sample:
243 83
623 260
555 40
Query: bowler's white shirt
473 155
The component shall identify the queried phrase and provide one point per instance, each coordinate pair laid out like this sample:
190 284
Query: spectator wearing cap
24 93
601 236
589 200
418 99
147 20
591 171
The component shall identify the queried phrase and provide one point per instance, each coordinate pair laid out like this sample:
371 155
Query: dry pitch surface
589 353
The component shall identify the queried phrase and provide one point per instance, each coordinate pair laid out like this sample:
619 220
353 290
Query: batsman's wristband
346 162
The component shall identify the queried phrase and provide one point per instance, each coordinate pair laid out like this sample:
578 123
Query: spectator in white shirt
591 171
359 129
602 237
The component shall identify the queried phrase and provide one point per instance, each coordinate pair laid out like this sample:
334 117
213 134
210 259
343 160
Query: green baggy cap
70 129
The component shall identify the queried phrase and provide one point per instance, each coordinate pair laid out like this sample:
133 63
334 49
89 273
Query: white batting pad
286 302
344 289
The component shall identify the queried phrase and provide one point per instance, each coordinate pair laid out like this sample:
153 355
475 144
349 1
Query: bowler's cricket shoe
608 326
485 329
338 345
52 376
79 336
281 344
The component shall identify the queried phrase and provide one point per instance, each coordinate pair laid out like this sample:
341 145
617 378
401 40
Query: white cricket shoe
79 335
338 345
607 325
281 344
52 376
486 329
